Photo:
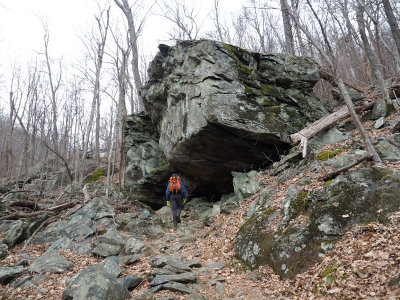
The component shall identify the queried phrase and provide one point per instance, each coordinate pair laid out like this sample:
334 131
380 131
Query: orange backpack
174 185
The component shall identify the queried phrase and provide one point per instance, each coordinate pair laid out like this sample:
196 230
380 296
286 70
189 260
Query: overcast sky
21 30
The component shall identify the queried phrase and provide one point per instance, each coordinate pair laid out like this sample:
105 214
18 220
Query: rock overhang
219 108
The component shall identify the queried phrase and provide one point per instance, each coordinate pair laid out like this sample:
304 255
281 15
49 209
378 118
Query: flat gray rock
50 262
388 151
379 123
183 278
106 250
21 282
109 265
130 282
134 246
160 261
90 284
128 259
177 264
14 233
163 271
112 237
98 282
3 250
195 263
8 273
177 287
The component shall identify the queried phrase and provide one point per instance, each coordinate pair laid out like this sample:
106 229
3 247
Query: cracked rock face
220 108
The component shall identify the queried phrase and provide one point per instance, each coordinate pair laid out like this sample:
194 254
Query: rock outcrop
363 196
147 169
220 108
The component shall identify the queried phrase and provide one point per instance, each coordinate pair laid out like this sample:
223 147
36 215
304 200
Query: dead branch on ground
345 168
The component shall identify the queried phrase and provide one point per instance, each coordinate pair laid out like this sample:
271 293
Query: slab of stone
177 287
93 284
195 263
163 271
50 262
14 233
177 264
112 237
183 278
219 287
97 282
128 259
3 250
160 261
7 274
106 250
388 151
134 246
109 265
379 123
175 270
331 136
130 282
23 281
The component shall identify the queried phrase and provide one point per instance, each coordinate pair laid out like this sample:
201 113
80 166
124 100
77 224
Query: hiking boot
179 219
175 225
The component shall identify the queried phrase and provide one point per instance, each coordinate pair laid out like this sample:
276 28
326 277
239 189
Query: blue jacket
183 191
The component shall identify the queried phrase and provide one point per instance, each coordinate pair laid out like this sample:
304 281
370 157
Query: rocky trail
195 261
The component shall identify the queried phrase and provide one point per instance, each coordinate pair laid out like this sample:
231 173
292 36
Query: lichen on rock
363 196
220 108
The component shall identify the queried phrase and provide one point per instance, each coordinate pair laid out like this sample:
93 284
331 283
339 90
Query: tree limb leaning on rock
345 168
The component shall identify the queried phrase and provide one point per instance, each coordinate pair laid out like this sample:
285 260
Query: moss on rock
325 155
363 196
95 175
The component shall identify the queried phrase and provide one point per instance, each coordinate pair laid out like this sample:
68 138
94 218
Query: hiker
176 196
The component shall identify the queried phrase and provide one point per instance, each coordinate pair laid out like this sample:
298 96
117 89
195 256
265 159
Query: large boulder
50 262
309 224
80 226
98 282
220 108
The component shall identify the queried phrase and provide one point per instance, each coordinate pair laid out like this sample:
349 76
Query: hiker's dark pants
177 206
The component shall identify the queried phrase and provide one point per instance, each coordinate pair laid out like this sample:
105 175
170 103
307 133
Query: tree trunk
287 27
133 36
393 23
9 155
370 54
371 150
331 62
327 122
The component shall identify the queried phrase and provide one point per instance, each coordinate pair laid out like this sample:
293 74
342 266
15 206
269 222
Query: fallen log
24 203
62 206
328 122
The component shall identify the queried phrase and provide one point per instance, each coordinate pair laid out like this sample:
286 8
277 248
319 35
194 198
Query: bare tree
393 23
287 27
135 28
95 46
372 58
184 18
330 59
55 83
